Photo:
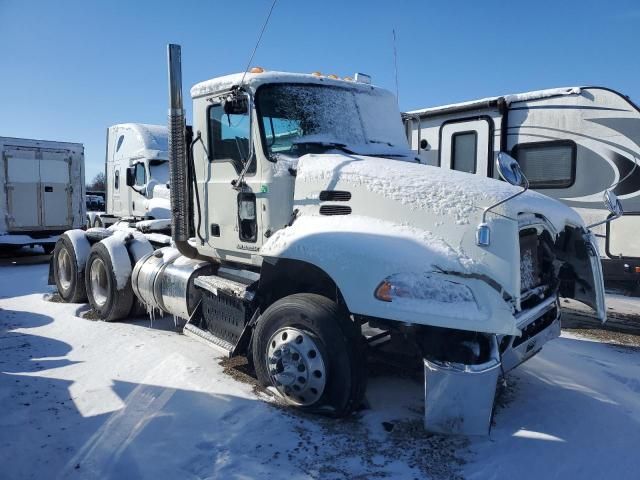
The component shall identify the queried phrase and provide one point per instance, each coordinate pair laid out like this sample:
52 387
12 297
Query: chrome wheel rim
99 282
64 269
295 366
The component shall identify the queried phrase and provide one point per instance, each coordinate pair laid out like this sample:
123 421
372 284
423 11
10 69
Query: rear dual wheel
309 350
109 302
69 278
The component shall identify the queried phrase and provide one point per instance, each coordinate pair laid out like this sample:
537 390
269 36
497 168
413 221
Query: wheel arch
281 277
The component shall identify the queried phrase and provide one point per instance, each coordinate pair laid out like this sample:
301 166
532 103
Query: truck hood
364 219
444 193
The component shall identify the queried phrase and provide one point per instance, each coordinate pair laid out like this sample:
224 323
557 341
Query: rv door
465 145
580 271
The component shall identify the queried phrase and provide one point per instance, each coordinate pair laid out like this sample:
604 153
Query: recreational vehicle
43 191
572 144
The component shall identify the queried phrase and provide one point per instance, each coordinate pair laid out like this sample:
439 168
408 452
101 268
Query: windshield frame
263 137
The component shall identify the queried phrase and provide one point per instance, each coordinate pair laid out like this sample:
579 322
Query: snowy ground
86 399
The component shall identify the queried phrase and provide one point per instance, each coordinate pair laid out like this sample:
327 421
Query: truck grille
529 260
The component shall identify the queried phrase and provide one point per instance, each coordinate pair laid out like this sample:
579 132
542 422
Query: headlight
432 287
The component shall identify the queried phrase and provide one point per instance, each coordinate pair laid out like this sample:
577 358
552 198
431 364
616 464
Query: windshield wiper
327 145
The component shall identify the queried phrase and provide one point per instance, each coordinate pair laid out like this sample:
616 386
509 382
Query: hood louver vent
335 196
335 210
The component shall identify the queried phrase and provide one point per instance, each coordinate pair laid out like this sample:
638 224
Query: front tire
107 301
68 277
309 350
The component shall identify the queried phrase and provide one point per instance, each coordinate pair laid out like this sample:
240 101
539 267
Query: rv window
547 164
463 151
140 174
116 179
229 137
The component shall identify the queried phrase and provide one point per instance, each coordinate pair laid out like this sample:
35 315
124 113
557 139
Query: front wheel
308 349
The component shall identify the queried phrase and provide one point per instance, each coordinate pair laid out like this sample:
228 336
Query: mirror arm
237 183
505 200
606 220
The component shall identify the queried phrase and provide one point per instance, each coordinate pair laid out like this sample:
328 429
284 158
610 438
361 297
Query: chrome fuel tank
164 280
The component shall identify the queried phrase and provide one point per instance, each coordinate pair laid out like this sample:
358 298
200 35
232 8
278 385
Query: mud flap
51 279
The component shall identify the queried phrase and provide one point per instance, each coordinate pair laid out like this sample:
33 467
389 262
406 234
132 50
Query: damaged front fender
580 269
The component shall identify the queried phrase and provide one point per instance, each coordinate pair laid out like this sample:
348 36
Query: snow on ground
86 399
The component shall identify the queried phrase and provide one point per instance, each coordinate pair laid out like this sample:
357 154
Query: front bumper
538 325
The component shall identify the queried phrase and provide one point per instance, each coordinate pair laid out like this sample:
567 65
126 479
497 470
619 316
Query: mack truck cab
305 233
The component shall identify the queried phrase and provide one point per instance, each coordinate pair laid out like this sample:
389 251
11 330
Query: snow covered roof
143 140
508 99
254 80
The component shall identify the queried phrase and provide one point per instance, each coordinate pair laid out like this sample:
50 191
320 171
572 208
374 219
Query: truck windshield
309 118
159 170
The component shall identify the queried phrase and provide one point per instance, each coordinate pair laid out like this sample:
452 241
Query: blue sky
71 68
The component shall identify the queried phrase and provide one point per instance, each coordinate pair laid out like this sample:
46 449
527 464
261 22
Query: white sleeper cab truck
573 144
304 232
42 191
136 175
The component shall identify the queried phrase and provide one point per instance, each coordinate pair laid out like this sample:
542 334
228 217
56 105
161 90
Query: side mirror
509 170
613 204
236 104
131 176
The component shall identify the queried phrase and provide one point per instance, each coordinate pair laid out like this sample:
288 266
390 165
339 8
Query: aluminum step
215 283
206 337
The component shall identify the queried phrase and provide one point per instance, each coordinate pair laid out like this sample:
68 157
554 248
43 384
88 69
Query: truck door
136 194
23 181
232 219
55 190
465 145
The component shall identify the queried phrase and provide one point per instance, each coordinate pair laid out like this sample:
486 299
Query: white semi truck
136 175
303 230
42 191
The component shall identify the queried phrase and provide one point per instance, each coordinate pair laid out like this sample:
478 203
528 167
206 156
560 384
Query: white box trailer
43 191
572 143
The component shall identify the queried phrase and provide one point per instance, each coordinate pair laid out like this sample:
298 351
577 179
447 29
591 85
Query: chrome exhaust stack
178 173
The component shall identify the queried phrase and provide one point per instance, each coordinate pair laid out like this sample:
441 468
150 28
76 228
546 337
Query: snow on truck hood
444 192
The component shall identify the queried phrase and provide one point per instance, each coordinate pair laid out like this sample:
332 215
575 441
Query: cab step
224 312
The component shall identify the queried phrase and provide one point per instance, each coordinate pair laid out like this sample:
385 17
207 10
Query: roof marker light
257 70
363 78
316 74
348 79
333 76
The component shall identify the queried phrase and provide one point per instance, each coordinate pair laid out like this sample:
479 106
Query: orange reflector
316 74
637 269
383 292
257 70
333 76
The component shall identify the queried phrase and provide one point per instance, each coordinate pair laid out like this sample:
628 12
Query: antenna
258 42
395 64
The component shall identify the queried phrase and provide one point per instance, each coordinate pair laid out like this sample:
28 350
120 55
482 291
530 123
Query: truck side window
464 146
229 138
140 174
547 164
116 179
